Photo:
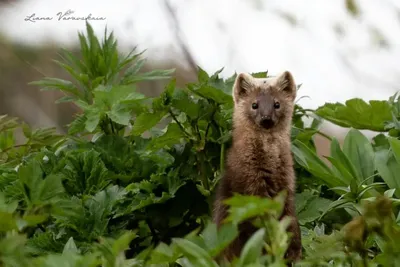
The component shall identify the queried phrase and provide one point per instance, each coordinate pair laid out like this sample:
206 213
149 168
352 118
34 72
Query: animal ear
242 86
286 83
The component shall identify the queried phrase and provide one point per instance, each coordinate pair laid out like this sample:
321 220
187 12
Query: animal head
266 102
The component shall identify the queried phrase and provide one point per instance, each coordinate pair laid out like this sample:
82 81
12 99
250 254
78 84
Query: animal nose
266 118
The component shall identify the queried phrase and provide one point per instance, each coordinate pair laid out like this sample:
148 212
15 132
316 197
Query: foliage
121 190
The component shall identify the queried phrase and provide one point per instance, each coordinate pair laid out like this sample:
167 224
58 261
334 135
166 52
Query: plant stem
153 232
222 158
112 125
179 124
201 157
324 135
16 146
222 154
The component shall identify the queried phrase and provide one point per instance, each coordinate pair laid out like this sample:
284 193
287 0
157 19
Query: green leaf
341 171
389 169
395 145
390 192
58 84
340 203
120 114
216 240
77 125
309 207
51 187
352 8
342 158
8 123
70 246
360 153
356 113
184 102
252 249
311 162
244 207
214 94
7 222
202 75
145 121
122 243
8 207
172 136
65 99
149 76
194 254
30 176
92 119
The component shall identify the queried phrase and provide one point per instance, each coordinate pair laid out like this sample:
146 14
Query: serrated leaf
202 75
120 115
172 136
214 94
182 101
48 83
356 113
145 121
92 119
78 125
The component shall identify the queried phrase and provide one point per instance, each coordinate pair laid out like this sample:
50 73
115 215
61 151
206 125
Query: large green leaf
361 154
309 207
243 207
388 165
217 239
337 153
358 114
213 93
389 169
252 249
146 121
172 136
311 162
194 254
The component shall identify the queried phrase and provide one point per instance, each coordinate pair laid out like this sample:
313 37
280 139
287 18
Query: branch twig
186 53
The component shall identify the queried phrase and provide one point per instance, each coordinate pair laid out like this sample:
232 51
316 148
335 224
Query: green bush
119 190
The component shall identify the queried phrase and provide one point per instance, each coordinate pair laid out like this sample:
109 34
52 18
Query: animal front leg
294 251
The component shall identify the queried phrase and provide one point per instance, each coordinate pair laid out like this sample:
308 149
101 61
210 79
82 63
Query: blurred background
338 49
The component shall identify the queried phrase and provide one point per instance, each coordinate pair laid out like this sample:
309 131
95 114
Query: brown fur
260 160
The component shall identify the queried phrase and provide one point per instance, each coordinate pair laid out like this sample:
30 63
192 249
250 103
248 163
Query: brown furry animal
260 160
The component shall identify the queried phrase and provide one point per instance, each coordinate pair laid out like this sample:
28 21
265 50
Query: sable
260 160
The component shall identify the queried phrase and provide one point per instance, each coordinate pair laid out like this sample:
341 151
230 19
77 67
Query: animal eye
277 105
254 105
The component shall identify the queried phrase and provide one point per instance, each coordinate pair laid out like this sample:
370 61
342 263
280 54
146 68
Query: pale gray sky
243 36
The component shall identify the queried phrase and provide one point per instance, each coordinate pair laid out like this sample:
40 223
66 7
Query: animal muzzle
266 122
